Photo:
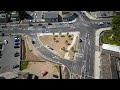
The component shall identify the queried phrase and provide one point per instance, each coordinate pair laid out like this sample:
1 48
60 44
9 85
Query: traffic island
62 44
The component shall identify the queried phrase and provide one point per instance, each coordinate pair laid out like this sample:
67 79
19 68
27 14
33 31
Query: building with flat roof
50 16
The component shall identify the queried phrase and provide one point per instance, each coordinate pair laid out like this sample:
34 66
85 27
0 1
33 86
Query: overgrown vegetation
24 64
112 37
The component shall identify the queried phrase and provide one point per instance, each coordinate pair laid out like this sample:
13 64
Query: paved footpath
94 18
98 52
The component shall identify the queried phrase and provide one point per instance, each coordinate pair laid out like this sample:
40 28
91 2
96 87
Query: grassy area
57 67
107 38
24 64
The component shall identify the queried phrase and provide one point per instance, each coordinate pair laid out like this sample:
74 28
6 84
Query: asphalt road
84 62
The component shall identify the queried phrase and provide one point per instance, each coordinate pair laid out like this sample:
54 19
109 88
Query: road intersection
83 65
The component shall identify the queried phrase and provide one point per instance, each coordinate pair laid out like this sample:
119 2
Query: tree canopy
116 29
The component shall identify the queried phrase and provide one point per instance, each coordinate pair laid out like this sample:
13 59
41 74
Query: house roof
67 15
111 47
51 14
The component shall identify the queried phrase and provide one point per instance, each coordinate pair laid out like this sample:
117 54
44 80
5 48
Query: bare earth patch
29 54
36 67
48 40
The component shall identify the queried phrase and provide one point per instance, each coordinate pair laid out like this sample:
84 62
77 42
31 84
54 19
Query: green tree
54 38
53 33
67 33
60 33
63 48
116 29
73 49
66 41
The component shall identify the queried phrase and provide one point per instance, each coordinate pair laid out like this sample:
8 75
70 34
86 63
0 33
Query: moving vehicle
30 25
33 41
49 23
80 40
44 73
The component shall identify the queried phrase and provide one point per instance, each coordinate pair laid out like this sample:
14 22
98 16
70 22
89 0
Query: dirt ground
29 54
36 67
48 40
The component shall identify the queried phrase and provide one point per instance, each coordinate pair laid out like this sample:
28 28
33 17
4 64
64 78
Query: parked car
16 66
43 26
17 40
80 40
44 73
17 43
54 76
16 54
40 24
32 76
16 46
30 25
3 34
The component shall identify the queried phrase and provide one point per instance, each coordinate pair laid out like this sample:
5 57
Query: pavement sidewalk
98 52
94 18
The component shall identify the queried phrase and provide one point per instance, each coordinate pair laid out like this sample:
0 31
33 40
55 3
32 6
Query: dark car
49 23
0 53
17 40
3 34
32 76
80 40
16 66
40 24
54 76
16 46
17 43
16 54
30 25
43 26
16 36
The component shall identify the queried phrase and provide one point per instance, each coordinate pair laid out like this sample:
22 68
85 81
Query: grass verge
24 64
